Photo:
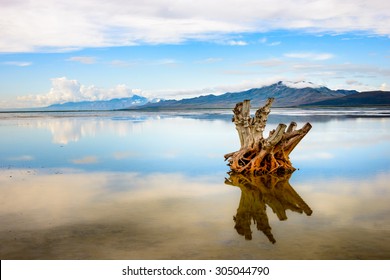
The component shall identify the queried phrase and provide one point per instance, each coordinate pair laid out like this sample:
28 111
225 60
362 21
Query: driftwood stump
258 192
259 155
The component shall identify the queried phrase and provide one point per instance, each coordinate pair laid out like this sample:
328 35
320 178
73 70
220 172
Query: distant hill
286 95
368 98
113 104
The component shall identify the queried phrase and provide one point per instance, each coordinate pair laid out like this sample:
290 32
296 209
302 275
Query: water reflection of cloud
343 202
21 158
169 154
153 216
72 196
86 160
125 155
343 145
348 133
58 199
314 156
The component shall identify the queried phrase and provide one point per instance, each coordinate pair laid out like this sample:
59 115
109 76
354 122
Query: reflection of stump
259 155
259 191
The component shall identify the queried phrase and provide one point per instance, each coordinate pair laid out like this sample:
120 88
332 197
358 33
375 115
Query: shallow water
133 185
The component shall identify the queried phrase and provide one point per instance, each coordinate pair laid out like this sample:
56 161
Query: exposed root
259 155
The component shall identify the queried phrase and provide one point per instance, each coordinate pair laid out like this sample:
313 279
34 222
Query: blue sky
58 51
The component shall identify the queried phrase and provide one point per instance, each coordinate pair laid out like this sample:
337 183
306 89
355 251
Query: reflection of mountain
256 193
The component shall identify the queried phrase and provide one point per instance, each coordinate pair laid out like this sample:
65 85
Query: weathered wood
259 155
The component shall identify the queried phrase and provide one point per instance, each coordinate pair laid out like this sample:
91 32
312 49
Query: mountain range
368 98
113 104
286 94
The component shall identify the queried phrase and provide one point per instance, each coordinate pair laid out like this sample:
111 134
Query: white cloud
125 154
167 61
18 63
121 63
314 156
309 55
66 90
273 44
83 59
264 40
272 62
61 25
353 82
342 69
209 60
236 43
384 87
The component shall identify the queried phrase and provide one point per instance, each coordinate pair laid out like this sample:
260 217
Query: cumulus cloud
60 25
66 90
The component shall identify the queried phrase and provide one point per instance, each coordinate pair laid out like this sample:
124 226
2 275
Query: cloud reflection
57 199
125 155
359 202
153 216
86 160
21 158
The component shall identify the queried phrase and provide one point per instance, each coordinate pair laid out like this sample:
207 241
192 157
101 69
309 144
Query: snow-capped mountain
286 94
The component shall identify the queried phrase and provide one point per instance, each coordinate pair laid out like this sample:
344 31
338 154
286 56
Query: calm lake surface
154 185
